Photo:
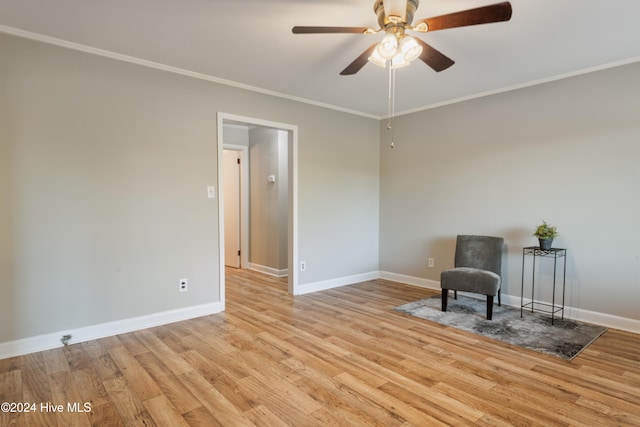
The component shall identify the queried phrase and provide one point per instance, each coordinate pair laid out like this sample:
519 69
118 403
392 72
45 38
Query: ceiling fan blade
482 15
359 62
330 30
433 57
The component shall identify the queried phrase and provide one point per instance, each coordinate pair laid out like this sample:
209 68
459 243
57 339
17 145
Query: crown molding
168 68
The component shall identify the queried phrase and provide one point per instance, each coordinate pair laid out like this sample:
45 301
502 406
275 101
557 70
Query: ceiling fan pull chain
391 101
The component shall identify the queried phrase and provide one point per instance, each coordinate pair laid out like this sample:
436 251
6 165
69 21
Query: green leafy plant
545 231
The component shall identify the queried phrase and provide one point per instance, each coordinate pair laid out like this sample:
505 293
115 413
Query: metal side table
555 253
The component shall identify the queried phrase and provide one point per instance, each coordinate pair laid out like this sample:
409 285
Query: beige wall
566 152
104 167
268 219
103 173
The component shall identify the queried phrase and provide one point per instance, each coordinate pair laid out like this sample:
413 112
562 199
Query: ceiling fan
398 48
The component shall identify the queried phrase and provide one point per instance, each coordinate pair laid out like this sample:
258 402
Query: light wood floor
335 358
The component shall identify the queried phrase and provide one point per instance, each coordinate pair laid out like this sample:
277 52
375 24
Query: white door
231 170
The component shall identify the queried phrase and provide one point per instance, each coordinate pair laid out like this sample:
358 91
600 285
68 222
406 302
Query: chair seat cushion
467 279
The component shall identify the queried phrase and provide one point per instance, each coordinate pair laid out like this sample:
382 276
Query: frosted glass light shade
410 48
399 61
388 46
377 59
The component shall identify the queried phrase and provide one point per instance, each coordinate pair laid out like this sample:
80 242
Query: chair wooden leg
489 307
455 294
499 299
445 294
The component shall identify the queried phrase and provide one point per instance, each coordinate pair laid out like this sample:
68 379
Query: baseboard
52 340
268 270
596 318
308 288
410 280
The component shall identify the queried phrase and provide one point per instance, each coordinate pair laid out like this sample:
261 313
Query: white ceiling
249 43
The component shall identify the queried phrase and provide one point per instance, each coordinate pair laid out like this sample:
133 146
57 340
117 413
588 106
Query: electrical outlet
432 263
183 285
303 265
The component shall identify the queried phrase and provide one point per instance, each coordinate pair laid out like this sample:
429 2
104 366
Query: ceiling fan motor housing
383 19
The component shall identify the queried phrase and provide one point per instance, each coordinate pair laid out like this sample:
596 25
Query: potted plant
545 234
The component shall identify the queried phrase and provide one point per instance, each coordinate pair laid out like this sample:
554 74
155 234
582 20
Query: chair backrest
483 252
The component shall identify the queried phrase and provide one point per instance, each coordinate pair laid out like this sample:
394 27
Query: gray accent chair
477 269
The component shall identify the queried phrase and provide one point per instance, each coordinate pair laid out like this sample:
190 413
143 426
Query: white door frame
293 196
244 201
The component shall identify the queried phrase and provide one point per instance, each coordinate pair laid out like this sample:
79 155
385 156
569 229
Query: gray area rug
564 339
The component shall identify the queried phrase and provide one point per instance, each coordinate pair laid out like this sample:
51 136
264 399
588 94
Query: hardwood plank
55 361
105 415
337 357
401 408
137 378
174 391
335 395
89 387
36 389
10 392
222 410
64 394
127 403
263 417
164 413
335 409
451 415
200 417
293 408
206 367
101 362
132 343
10 364
515 412
617 413
77 357
304 358
170 360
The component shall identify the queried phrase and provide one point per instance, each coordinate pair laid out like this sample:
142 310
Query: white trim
581 315
181 71
87 333
293 194
308 288
52 340
268 270
602 319
410 280
221 262
521 85
175 70
293 213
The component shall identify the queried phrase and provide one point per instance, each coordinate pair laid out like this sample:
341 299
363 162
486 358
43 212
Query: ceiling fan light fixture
410 48
375 58
399 61
388 47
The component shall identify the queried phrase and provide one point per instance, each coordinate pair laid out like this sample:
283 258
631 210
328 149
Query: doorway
235 208
290 134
